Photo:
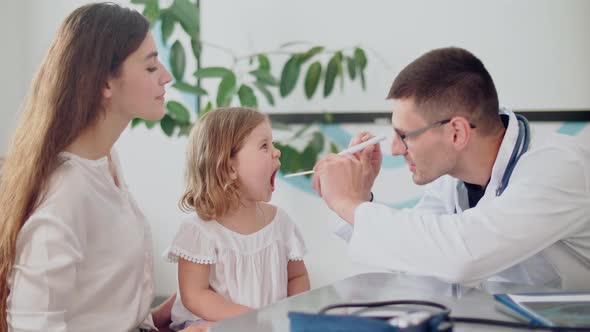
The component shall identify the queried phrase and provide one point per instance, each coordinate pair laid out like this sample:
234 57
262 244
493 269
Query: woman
75 251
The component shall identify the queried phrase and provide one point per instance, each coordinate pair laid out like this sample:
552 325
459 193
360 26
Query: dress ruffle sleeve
191 244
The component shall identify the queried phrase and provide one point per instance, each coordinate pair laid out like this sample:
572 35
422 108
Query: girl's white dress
250 270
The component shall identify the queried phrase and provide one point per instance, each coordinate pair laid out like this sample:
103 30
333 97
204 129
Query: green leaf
263 62
207 108
289 76
351 67
360 57
311 53
167 26
363 82
267 94
290 158
309 157
334 148
177 60
167 124
151 10
185 130
226 90
292 43
178 112
317 141
213 72
361 61
185 87
265 76
331 73
328 117
196 46
187 15
310 154
150 124
312 78
341 68
247 97
135 122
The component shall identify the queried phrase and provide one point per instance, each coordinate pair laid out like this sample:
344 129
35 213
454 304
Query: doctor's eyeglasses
403 137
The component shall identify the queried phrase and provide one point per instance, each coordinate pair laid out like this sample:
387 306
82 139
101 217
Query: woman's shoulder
63 203
67 185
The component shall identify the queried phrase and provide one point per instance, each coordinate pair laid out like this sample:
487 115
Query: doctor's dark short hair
449 82
214 140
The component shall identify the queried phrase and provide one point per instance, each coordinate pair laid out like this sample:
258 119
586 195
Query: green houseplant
259 80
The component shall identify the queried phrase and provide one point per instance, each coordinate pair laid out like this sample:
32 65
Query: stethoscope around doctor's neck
520 147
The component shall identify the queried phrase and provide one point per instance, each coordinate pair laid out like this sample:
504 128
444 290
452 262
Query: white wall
27 28
515 52
12 80
536 50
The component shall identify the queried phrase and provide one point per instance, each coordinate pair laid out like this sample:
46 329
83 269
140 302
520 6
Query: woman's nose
167 77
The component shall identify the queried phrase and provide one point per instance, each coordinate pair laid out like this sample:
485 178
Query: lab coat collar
504 153
500 165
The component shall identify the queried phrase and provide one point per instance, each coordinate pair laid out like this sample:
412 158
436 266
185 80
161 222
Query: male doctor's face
427 154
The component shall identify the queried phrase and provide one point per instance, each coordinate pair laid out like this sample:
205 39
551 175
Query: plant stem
221 48
245 57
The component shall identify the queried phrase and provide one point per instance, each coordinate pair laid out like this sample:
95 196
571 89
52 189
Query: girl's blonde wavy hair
214 140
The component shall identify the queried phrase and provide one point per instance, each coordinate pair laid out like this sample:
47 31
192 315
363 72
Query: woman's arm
298 278
45 276
199 298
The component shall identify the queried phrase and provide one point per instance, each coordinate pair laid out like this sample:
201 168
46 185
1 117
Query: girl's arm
199 298
298 278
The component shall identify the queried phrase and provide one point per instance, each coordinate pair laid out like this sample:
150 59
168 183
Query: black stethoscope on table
522 144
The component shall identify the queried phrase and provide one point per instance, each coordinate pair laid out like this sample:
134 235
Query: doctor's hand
373 152
344 182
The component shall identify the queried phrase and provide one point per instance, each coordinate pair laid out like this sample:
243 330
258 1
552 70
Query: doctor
499 204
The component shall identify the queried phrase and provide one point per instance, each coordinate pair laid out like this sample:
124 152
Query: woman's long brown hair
65 98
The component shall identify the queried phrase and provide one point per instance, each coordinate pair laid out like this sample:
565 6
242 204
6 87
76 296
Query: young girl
75 250
237 252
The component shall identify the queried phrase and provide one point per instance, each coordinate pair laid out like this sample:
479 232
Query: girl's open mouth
272 179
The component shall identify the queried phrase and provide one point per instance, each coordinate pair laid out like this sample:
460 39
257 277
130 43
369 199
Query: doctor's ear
461 132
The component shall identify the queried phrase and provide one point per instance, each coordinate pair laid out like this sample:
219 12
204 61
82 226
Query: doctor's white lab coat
537 232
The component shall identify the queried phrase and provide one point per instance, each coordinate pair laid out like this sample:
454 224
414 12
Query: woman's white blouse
84 257
250 270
